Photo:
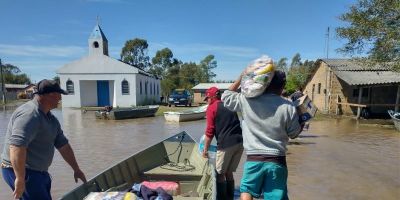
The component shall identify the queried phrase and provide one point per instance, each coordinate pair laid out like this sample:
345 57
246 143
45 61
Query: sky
41 36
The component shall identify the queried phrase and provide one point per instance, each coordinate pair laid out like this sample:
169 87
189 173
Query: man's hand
78 174
205 154
19 188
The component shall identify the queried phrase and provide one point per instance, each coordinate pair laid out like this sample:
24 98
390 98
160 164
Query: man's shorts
267 177
227 160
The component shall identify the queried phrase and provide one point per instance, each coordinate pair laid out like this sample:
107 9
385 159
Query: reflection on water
334 159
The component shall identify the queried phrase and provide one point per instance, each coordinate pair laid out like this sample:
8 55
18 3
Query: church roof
97 33
97 64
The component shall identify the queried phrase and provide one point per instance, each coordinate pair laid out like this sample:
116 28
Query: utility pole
2 84
327 43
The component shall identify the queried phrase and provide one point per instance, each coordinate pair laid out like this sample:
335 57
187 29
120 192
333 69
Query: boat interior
176 159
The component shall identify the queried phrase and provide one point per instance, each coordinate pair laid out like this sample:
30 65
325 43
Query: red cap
211 92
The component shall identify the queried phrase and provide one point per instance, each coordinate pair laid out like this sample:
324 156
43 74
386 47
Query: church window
145 87
141 87
125 87
70 87
96 44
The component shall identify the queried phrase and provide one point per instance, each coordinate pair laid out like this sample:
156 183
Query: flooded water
334 159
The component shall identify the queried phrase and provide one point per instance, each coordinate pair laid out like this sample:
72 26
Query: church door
103 93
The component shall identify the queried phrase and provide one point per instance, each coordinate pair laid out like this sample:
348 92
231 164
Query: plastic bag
212 149
257 76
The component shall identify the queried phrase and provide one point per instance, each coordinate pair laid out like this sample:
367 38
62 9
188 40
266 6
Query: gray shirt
30 127
269 121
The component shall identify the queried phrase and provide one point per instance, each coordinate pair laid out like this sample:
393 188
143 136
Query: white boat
186 115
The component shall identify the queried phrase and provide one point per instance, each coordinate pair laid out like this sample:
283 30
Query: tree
373 30
135 53
207 65
299 73
13 75
57 79
161 62
282 64
296 60
171 80
187 80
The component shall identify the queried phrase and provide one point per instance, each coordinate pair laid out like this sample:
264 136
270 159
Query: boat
175 159
396 118
186 115
127 113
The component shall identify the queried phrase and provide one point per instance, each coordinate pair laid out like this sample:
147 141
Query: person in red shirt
225 126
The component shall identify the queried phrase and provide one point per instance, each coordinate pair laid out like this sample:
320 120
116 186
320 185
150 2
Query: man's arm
231 98
18 160
207 142
68 154
236 84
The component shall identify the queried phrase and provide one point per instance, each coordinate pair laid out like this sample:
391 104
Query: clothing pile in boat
137 192
145 193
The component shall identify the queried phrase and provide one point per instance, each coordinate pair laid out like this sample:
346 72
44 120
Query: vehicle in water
175 159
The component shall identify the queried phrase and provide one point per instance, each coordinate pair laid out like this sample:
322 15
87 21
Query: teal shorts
267 177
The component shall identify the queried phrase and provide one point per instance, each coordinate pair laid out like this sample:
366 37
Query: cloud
41 51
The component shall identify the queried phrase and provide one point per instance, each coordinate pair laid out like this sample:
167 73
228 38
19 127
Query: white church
99 80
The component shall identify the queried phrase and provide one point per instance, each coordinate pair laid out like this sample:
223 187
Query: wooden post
2 85
360 89
337 104
396 108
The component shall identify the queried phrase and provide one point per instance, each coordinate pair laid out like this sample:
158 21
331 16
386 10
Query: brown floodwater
334 159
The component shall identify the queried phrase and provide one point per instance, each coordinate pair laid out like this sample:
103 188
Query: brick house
343 86
199 91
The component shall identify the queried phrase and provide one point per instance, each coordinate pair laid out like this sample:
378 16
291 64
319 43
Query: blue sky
41 36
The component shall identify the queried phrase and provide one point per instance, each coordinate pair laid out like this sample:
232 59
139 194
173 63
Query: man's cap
211 92
48 86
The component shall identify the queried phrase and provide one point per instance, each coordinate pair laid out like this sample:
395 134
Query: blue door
103 93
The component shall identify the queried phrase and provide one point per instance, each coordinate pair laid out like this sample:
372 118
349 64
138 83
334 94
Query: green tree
187 80
57 79
13 75
299 73
135 53
161 62
296 60
171 80
373 30
207 65
282 64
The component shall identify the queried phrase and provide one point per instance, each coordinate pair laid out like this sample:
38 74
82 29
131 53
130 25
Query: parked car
180 97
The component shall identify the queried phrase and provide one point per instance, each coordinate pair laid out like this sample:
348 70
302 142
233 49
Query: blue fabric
267 177
37 184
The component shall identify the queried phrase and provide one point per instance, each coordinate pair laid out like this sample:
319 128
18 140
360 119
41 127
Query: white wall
86 85
151 96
